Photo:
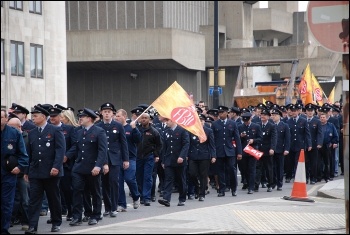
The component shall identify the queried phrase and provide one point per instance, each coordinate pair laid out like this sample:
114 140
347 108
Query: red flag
253 152
176 105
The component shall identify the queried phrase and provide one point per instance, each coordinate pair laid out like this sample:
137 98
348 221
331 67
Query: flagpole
143 113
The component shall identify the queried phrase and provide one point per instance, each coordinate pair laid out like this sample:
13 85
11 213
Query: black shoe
190 197
331 179
245 186
75 222
221 195
196 196
153 198
147 203
16 222
273 186
69 218
279 188
181 203
49 221
250 191
287 181
31 230
142 201
312 182
342 173
227 189
256 189
307 181
92 222
234 193
201 199
85 219
269 189
263 186
164 202
55 228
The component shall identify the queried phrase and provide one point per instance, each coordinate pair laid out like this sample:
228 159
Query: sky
301 6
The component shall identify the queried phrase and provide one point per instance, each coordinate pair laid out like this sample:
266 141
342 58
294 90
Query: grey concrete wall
93 88
47 30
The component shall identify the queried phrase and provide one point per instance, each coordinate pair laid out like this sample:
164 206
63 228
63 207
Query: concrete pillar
275 42
238 18
288 6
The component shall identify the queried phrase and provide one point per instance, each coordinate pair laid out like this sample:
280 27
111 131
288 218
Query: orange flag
317 91
305 86
176 105
331 96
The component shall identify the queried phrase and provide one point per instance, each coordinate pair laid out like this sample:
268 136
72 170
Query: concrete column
288 6
275 42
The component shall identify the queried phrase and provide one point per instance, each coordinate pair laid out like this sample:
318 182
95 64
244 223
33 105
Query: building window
18 5
35 7
36 61
17 58
2 57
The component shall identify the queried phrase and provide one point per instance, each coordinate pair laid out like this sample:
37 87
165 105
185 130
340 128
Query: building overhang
138 48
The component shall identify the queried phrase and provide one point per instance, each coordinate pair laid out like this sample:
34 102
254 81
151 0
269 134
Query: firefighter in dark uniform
22 113
176 146
91 157
300 139
118 156
250 134
316 134
12 143
200 155
46 150
282 148
268 147
225 132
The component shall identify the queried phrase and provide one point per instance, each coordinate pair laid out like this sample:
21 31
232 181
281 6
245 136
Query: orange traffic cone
299 187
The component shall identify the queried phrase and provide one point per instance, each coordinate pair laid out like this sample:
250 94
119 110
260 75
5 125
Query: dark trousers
264 164
243 170
248 165
311 158
291 163
325 155
36 191
278 169
8 189
86 201
106 192
198 171
114 172
222 162
175 174
66 191
129 176
21 203
94 186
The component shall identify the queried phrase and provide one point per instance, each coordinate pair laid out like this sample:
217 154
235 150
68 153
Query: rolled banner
253 152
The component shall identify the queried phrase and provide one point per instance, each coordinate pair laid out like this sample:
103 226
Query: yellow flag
176 105
331 96
317 91
264 101
305 86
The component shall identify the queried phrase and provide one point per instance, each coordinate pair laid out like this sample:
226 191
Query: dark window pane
20 59
13 59
32 62
39 56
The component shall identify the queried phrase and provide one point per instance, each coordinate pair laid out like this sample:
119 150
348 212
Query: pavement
265 215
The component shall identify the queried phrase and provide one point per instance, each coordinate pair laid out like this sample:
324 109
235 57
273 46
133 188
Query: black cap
213 112
13 106
222 109
45 106
20 109
275 106
107 106
144 106
299 105
276 111
137 110
246 116
199 110
12 115
261 106
251 107
80 111
54 111
60 107
209 119
202 116
40 109
71 109
268 103
245 110
265 112
293 107
88 112
325 109
235 110
309 106
97 112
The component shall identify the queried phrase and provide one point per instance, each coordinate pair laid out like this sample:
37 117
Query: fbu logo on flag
183 116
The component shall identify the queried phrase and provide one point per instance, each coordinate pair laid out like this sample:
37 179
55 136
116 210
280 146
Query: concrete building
33 53
129 52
